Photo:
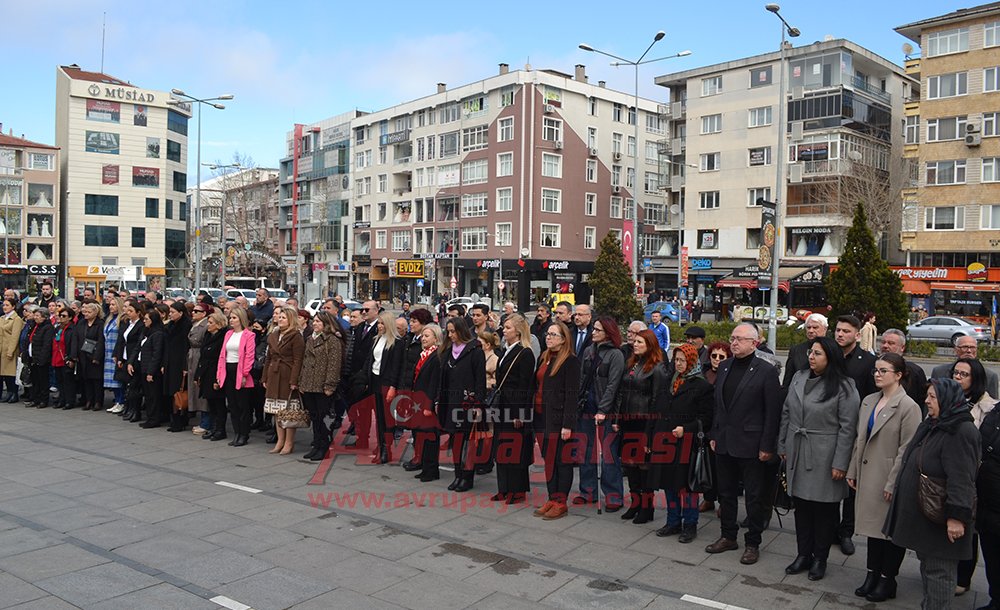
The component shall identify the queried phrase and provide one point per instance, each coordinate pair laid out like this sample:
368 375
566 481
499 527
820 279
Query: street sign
420 283
501 285
248 247
453 283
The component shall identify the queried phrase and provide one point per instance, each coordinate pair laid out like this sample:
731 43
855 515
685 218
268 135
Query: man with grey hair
242 302
968 347
633 330
816 326
915 382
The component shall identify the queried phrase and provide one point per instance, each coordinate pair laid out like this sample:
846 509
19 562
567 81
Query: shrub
989 352
922 349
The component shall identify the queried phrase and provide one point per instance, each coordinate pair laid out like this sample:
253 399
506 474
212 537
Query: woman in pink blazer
233 373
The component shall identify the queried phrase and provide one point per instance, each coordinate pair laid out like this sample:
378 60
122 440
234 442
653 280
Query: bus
245 282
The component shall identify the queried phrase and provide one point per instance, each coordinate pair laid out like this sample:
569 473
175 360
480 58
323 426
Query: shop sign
396 137
363 225
43 269
488 264
917 273
684 266
409 268
555 265
976 272
700 264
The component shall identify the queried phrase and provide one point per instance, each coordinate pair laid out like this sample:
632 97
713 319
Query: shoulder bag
700 470
491 397
932 493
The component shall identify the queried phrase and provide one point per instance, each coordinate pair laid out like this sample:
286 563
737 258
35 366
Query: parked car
251 295
468 302
313 306
177 293
278 293
947 329
215 293
671 312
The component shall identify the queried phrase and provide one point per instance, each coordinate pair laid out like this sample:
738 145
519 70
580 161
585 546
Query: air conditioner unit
796 131
797 93
617 156
973 139
795 173
558 144
549 108
616 189
971 128
593 152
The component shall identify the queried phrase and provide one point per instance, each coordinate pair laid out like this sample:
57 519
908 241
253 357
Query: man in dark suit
744 437
364 336
816 326
581 329
915 383
967 347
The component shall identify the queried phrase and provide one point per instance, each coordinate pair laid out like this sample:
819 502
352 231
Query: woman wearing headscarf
196 403
684 409
886 423
816 436
946 449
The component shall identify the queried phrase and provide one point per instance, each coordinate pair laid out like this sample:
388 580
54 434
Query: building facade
843 128
124 180
951 229
30 197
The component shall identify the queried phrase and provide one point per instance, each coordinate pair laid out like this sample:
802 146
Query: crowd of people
853 434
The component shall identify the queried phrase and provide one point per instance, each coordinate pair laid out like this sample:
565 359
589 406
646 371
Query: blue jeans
611 467
682 507
206 420
119 393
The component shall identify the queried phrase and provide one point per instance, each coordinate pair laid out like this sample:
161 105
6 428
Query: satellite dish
907 48
675 209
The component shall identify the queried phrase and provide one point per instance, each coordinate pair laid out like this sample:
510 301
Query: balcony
861 84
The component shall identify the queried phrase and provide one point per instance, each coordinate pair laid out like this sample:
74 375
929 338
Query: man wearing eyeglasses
636 327
744 436
915 382
364 337
967 347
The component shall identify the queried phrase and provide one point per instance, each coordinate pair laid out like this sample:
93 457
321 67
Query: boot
688 533
13 397
885 589
633 508
465 484
458 479
645 514
871 579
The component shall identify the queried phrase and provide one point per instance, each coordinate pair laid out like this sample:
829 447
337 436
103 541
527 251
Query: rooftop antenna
104 22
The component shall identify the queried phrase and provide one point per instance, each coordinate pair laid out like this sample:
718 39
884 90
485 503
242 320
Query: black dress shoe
241 441
498 497
818 569
668 530
847 545
137 416
219 437
412 466
429 476
465 484
612 508
801 564
308 456
458 479
484 469
516 498
150 423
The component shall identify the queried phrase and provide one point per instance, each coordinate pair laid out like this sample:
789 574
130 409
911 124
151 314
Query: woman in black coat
419 319
425 387
88 355
126 349
988 507
206 375
386 357
40 351
463 389
684 408
515 445
946 446
148 367
176 346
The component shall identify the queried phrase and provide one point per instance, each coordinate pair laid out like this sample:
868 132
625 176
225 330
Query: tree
611 283
863 281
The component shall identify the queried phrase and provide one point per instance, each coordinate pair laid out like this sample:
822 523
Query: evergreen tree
611 282
864 282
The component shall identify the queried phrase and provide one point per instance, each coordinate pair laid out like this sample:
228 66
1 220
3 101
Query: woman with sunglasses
718 352
63 341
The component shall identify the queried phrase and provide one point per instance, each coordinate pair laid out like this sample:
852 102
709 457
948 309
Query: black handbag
699 468
782 499
89 347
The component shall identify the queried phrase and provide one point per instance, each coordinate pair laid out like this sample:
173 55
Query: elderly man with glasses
967 347
915 381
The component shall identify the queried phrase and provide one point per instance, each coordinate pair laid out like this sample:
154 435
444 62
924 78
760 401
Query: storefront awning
916 287
747 283
965 287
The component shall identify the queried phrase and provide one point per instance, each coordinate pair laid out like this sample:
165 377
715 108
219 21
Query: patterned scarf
693 366
424 355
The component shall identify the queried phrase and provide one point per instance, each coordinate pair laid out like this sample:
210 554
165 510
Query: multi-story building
843 129
951 230
314 214
244 205
29 214
124 180
502 187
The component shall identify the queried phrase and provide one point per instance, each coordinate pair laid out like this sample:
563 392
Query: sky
304 61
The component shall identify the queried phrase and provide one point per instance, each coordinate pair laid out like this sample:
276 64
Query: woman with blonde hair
233 374
515 446
383 365
282 369
320 377
113 325
11 325
425 387
88 357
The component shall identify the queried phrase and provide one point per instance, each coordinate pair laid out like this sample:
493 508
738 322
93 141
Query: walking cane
600 461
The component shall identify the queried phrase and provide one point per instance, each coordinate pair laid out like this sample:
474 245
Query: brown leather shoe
750 556
722 545
706 506
544 509
558 511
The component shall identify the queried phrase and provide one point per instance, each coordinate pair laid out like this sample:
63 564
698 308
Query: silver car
947 329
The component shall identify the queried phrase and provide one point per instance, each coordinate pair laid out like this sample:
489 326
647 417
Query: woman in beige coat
10 334
282 367
886 423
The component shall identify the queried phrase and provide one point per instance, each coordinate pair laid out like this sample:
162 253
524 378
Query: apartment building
502 188
951 225
843 126
30 198
123 173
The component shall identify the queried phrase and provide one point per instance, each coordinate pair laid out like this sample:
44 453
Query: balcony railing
863 85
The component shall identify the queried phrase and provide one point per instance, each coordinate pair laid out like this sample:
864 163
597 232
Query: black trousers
318 405
712 494
967 566
152 393
93 391
558 468
217 409
238 402
380 415
10 383
429 441
990 541
753 474
846 527
815 524
884 557
66 380
40 384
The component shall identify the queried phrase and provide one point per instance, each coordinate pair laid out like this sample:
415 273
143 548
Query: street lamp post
636 222
222 217
779 191
213 102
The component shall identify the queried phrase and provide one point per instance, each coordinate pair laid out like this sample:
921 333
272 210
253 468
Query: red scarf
424 355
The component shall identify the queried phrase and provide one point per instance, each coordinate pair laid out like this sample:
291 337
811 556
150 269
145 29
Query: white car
313 306
468 302
251 295
215 293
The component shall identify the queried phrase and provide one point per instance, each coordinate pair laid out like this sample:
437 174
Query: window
989 217
592 106
616 112
505 199
946 172
504 234
616 175
177 122
912 130
380 239
401 241
551 165
652 152
42 161
947 218
475 138
710 162
759 156
616 143
760 116
709 200
551 130
168 209
654 124
590 204
382 153
449 144
174 243
591 174
590 238
362 159
100 205
173 151
138 237
753 239
449 113
947 85
152 207
505 131
100 236
475 172
711 86
630 146
505 164
474 205
474 238
628 209
763 192
182 210
991 34
990 124
507 96
448 174
383 183
948 41
711 123
991 170
180 182
360 135
382 211
951 128
708 239
652 182
550 236
760 77
656 213
991 79
551 200
616 207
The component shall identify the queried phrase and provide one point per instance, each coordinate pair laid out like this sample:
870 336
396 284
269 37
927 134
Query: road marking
241 488
226 602
709 603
